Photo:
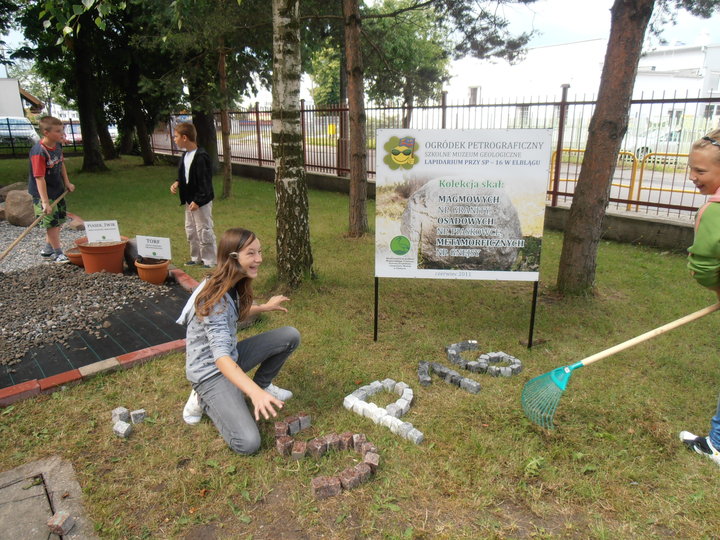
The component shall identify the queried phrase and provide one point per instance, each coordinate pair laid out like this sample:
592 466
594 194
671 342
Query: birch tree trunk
225 123
576 273
358 225
294 255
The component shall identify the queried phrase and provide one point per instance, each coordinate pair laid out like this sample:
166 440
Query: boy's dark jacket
199 187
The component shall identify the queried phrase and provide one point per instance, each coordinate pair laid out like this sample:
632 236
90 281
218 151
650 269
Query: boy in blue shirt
48 180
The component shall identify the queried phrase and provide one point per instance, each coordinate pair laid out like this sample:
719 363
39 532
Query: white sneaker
193 411
701 445
61 259
278 393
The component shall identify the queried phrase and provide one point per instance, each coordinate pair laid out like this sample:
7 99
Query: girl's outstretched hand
263 404
275 303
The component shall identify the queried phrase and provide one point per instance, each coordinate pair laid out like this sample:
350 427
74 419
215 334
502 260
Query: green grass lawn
614 468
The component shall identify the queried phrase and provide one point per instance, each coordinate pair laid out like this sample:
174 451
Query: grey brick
349 401
415 436
138 416
470 386
388 384
121 413
404 429
394 410
122 429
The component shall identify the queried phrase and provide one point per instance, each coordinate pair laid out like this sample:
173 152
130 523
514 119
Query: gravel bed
27 252
42 302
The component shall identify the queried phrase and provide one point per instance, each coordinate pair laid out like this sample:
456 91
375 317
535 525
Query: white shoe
193 411
701 445
278 393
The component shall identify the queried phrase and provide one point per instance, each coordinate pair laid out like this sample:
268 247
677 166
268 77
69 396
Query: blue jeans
225 404
715 428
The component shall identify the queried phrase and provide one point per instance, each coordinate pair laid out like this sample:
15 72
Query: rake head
541 395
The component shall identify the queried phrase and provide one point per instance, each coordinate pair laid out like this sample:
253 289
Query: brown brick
317 447
350 478
358 440
333 441
372 459
346 441
284 445
299 449
325 486
281 428
61 523
364 470
368 447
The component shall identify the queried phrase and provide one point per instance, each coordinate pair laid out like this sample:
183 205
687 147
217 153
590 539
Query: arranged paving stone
284 445
325 486
485 363
329 486
389 416
451 376
299 450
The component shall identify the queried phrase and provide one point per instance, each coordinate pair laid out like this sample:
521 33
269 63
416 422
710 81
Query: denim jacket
208 338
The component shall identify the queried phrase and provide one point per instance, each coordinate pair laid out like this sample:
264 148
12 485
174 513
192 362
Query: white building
690 69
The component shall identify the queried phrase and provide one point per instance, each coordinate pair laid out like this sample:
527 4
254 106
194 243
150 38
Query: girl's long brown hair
228 274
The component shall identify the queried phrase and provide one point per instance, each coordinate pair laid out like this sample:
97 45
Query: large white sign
153 247
102 231
461 204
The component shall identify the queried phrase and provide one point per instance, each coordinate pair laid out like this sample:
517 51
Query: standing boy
194 184
704 258
47 181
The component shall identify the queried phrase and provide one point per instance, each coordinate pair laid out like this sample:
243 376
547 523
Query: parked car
676 141
17 130
73 135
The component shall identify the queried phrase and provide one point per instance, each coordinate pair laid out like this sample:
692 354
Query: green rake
541 395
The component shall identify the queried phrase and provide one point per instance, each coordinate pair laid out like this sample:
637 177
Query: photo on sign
452 200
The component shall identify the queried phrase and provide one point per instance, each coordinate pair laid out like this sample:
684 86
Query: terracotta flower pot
75 256
99 256
153 270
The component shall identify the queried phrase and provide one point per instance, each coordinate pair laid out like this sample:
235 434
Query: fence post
302 131
558 152
343 141
258 133
443 105
12 139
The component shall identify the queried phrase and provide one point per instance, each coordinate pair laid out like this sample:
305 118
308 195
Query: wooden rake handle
649 335
30 227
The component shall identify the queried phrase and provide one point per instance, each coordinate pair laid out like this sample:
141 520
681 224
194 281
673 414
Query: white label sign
153 247
102 231
461 204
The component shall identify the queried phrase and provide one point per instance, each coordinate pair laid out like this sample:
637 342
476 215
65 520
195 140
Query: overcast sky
564 21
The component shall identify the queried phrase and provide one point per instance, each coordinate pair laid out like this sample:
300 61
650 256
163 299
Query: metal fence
651 176
18 135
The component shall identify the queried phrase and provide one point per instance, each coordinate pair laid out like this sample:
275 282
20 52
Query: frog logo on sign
401 153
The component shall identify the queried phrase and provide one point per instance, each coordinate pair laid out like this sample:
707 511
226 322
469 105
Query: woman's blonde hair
711 139
228 274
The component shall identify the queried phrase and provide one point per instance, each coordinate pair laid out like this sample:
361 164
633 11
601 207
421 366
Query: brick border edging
27 389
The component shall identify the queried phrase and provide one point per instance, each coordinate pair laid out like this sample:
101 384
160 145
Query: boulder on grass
17 186
19 208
